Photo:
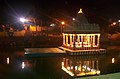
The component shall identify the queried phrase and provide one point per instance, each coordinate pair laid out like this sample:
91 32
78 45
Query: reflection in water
45 67
17 67
113 60
81 66
8 60
23 65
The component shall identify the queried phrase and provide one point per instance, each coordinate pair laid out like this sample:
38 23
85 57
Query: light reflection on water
78 65
51 67
81 65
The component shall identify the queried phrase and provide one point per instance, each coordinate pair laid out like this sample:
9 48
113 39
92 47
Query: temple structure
81 37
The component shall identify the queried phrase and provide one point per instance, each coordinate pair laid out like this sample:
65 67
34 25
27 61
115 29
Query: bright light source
22 20
80 11
76 68
62 63
62 22
118 20
67 71
71 67
114 23
52 24
8 60
88 69
98 72
23 65
113 60
25 52
73 19
84 66
68 68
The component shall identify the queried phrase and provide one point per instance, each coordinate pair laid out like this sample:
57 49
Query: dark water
50 67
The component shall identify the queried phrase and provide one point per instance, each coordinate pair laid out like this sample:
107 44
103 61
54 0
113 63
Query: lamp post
62 23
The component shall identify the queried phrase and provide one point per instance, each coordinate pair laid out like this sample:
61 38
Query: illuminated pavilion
81 37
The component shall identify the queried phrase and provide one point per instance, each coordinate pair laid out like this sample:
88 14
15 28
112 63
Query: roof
81 25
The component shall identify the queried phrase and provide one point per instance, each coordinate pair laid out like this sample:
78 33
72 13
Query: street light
119 21
62 23
73 19
22 20
114 23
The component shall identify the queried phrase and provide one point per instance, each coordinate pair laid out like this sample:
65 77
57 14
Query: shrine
81 37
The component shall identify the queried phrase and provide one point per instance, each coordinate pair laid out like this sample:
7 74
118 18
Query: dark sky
60 9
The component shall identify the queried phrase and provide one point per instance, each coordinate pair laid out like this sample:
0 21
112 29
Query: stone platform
38 52
83 52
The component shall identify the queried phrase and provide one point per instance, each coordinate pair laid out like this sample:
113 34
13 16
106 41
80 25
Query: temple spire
80 11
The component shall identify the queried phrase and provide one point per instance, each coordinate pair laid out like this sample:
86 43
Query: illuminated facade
80 35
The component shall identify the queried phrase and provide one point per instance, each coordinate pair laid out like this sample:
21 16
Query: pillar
88 39
93 40
82 40
98 40
78 38
70 39
74 46
67 39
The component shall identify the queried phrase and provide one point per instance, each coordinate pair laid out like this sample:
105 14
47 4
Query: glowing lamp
73 19
113 60
23 65
62 22
22 20
8 60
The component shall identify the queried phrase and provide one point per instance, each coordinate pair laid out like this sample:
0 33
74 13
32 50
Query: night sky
96 10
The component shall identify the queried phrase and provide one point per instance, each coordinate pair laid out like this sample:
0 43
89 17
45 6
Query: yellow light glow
76 68
71 67
62 22
32 28
98 72
81 70
80 11
114 23
113 60
62 63
88 42
8 60
68 68
70 73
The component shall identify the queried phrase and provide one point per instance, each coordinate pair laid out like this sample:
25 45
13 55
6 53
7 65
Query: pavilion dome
81 25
